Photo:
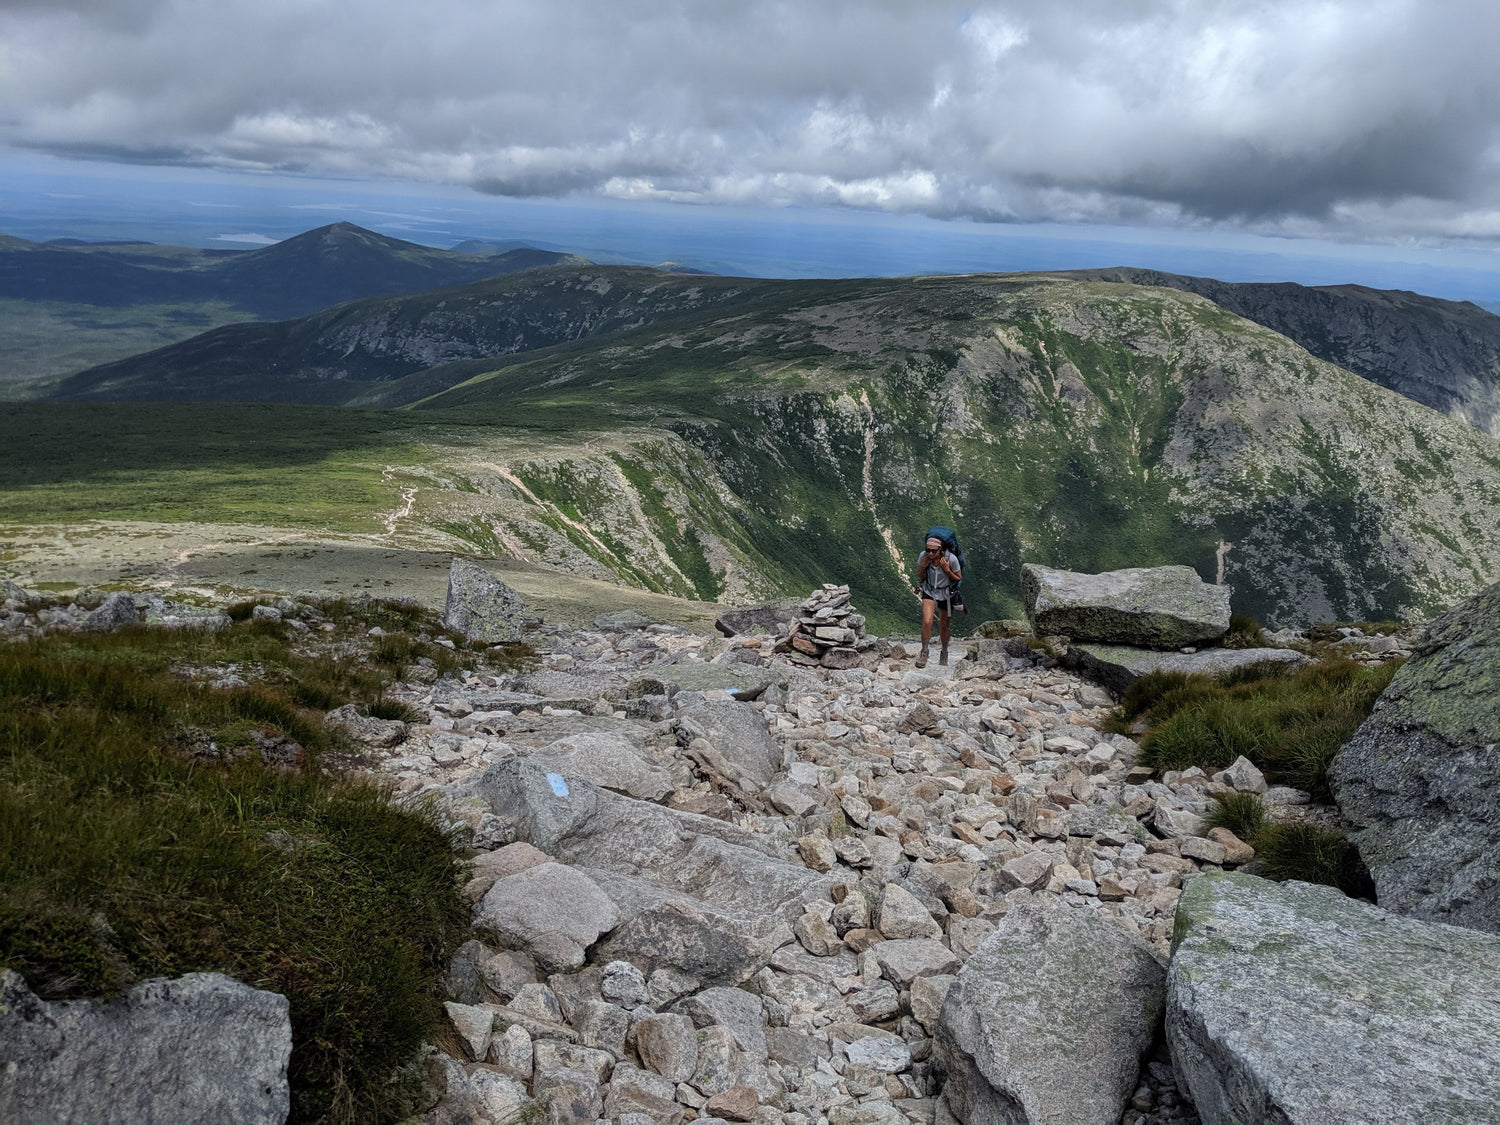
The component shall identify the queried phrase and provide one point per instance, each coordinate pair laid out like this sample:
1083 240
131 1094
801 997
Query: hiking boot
943 658
922 659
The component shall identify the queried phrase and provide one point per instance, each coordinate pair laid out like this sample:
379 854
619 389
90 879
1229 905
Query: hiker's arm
949 569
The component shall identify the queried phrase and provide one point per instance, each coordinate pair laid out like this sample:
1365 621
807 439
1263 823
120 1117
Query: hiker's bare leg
928 605
945 622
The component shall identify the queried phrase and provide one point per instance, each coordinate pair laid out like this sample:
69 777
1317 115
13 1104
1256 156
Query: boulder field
865 895
716 879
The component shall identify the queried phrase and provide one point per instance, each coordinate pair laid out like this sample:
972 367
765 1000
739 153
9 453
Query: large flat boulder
605 758
1417 781
686 886
480 606
1047 1022
735 743
1289 1002
200 1047
1116 667
1161 607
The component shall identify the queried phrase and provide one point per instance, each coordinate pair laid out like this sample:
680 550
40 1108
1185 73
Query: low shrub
142 835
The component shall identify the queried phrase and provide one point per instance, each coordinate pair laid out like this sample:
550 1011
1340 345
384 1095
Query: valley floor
226 561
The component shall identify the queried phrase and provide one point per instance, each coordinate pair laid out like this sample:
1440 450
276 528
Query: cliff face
1443 354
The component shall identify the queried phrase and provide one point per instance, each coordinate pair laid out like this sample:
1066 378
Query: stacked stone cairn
826 631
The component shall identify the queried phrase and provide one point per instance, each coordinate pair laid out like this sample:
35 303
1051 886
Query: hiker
939 574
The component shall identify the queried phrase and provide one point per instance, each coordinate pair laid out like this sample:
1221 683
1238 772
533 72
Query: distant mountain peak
338 235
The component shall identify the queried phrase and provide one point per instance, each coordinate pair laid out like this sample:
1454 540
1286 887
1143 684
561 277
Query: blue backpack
949 539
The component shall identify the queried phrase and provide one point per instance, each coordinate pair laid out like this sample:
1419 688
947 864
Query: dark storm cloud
1371 117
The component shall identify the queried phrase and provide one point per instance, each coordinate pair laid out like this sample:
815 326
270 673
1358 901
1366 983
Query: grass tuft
1244 814
1292 851
1289 721
1244 632
1312 855
142 834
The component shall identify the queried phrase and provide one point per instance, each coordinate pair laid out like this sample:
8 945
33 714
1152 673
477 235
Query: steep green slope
335 356
763 437
1082 425
1443 354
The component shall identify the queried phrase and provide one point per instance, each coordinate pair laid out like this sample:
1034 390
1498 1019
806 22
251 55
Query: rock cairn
826 631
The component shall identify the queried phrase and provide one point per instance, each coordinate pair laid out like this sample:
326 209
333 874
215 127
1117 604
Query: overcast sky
1374 120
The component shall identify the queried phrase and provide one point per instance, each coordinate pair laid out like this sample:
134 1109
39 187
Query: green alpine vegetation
1290 722
736 439
142 834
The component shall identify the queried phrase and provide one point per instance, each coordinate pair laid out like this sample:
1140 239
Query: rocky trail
715 883
784 876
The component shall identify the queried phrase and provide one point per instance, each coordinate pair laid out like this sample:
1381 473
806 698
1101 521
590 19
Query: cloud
1366 118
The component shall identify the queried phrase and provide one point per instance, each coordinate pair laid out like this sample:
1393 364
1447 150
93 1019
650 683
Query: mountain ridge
294 277
1443 354
737 438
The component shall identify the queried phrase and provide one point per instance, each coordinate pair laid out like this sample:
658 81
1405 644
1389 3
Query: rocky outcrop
731 740
200 1047
692 893
772 617
480 606
1047 1022
116 612
1443 354
1292 1003
379 733
1417 781
606 759
1161 607
1116 667
741 680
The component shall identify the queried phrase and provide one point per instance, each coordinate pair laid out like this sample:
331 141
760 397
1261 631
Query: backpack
949 539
